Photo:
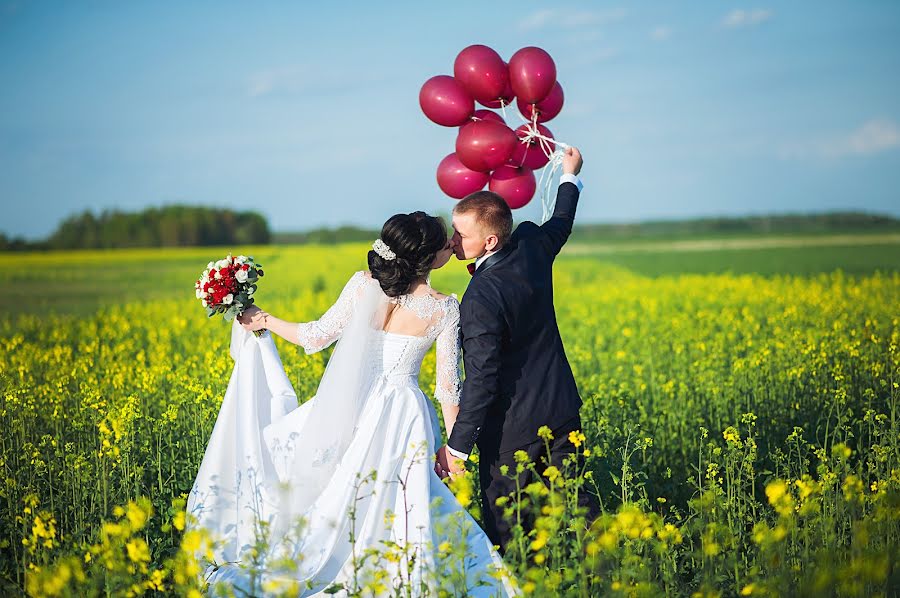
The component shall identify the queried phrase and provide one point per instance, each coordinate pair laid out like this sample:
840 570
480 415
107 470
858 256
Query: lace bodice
401 354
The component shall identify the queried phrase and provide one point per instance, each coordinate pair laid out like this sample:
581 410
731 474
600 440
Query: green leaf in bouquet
229 315
210 312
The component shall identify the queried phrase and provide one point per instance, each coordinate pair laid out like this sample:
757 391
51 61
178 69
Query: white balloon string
554 163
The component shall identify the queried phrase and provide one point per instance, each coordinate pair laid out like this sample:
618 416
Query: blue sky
309 113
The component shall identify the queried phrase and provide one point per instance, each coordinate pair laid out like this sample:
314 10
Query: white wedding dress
285 488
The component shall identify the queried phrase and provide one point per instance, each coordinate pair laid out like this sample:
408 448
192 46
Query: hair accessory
383 250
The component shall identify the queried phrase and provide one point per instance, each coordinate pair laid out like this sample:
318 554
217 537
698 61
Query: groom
517 375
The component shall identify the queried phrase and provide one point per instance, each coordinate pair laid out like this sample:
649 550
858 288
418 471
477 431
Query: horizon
703 111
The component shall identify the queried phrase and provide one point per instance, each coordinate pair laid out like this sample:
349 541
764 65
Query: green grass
81 281
767 261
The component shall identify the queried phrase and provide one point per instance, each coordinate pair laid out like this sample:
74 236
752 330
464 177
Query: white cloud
567 19
872 137
746 18
593 57
537 20
591 18
661 33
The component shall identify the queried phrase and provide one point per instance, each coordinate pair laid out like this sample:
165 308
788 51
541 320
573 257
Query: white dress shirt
565 178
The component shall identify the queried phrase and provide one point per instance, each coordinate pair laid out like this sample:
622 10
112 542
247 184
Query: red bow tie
471 268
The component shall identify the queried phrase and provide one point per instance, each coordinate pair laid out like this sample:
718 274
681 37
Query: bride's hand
253 319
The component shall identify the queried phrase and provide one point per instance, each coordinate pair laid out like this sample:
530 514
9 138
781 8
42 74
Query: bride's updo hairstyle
415 239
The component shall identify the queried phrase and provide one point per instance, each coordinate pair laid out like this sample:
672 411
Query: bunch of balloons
488 152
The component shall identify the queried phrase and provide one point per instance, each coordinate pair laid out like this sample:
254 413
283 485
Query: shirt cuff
457 454
571 178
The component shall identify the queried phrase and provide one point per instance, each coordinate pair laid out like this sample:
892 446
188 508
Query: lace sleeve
319 334
447 387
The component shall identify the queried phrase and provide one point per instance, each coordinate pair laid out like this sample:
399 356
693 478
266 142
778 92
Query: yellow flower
711 549
775 490
731 435
137 515
577 438
178 521
841 451
540 541
138 551
552 473
545 433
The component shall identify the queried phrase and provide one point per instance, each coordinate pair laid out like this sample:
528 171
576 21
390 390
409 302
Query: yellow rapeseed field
743 432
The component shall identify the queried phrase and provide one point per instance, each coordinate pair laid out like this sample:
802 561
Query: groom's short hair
491 212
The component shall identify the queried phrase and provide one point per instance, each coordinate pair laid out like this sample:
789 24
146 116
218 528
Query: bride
340 495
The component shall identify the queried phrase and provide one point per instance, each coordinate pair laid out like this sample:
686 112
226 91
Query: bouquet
227 286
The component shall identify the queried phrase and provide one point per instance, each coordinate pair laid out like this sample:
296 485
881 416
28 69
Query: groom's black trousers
494 484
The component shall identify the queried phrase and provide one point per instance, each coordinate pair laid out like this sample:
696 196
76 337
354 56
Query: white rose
204 294
204 303
209 267
228 299
199 294
242 258
221 264
218 276
241 276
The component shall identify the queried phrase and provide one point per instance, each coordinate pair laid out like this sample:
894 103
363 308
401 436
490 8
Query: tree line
168 226
175 226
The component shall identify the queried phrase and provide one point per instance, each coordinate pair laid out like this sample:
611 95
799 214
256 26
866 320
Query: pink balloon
482 72
484 145
507 96
547 108
445 101
532 74
515 185
456 180
531 155
482 114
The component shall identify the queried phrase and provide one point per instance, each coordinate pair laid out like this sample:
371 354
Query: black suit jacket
517 374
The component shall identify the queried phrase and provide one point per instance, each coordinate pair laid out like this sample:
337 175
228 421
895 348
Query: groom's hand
572 161
446 464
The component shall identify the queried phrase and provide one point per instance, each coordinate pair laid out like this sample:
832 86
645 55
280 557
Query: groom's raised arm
558 228
482 331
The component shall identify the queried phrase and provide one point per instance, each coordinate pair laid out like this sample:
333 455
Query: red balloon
445 101
484 145
531 155
506 98
456 180
515 185
547 108
532 74
481 114
482 72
